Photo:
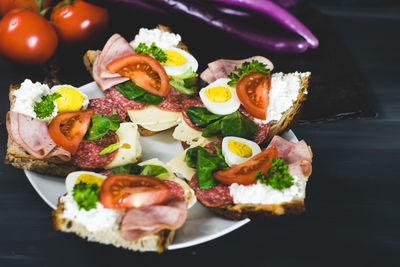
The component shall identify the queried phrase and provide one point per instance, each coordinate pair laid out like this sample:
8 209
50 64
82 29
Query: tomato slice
253 92
143 70
67 129
245 173
120 191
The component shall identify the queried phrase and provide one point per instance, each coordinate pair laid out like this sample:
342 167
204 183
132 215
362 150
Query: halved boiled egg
220 98
71 98
83 176
178 61
237 150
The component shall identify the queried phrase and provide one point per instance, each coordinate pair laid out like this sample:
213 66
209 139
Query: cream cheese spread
161 38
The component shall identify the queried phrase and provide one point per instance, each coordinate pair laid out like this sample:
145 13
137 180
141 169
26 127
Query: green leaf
185 83
191 156
101 125
132 91
201 117
45 107
153 50
156 171
109 149
86 195
236 124
278 176
130 168
247 68
212 129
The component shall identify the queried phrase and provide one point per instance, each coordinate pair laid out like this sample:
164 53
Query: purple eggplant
286 3
274 12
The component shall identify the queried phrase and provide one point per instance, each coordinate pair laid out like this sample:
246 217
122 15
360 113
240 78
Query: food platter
201 225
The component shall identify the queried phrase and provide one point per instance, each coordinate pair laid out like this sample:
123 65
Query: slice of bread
157 242
90 56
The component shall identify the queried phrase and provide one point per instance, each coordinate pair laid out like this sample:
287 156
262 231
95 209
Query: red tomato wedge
143 70
253 92
67 129
120 191
245 173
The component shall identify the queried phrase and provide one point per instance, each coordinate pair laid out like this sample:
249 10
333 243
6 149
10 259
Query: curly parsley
45 107
278 176
247 68
86 195
153 50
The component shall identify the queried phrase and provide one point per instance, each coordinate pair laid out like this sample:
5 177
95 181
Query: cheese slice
180 168
155 119
190 136
130 150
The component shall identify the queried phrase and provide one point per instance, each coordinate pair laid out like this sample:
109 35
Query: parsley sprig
45 107
153 50
86 195
278 176
247 68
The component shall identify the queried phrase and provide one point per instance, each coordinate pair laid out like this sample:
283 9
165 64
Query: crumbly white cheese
284 91
95 219
161 38
28 95
262 194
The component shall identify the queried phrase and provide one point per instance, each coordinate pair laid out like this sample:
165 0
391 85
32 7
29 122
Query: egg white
85 101
233 159
191 62
224 108
73 176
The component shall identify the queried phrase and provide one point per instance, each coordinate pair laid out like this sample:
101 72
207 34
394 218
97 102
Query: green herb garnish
86 195
101 125
278 176
152 170
109 149
247 68
132 91
153 50
45 107
130 168
185 83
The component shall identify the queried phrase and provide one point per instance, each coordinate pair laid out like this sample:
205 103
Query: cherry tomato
78 22
7 5
120 191
245 173
67 129
143 70
253 92
26 37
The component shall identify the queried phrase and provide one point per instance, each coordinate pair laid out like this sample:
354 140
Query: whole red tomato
7 5
26 37
78 22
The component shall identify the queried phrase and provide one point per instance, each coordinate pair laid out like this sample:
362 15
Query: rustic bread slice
90 56
19 158
157 242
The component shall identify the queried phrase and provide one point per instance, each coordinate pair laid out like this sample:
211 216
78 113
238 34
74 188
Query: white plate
201 225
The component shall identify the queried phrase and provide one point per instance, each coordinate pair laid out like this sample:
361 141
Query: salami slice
177 190
174 101
118 98
213 197
210 147
87 156
107 107
191 102
263 129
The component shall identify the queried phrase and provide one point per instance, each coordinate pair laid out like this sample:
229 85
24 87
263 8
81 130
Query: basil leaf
132 91
212 129
101 125
130 168
236 124
191 156
205 168
109 149
155 171
201 117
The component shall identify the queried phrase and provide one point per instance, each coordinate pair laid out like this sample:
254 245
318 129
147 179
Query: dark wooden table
353 203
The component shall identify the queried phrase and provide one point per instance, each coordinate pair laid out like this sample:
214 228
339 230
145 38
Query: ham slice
297 156
139 222
115 47
221 68
32 134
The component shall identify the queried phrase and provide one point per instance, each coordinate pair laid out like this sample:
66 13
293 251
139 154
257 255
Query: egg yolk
89 179
174 58
240 149
70 100
218 94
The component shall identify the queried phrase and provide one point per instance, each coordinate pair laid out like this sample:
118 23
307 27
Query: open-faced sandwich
237 180
59 130
243 99
149 77
136 206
